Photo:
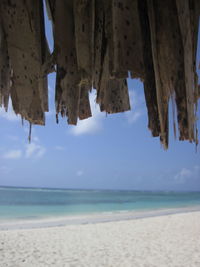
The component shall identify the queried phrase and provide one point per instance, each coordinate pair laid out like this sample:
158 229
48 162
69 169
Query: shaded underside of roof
99 44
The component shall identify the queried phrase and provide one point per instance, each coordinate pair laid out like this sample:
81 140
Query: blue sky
107 152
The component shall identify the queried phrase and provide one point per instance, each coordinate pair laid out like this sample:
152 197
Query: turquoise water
28 203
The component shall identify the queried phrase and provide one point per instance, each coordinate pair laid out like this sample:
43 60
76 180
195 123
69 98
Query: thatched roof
98 43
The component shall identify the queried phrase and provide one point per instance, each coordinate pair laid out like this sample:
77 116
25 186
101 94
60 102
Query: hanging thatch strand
99 43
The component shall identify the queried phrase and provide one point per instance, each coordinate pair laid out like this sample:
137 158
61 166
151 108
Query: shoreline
92 218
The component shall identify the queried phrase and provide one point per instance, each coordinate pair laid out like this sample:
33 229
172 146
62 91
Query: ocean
30 203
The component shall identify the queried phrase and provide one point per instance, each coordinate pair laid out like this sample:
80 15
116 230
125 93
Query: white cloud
185 175
87 126
136 110
90 125
34 150
35 138
79 173
133 116
13 154
10 114
94 124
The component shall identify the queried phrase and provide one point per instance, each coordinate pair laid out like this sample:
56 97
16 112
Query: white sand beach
170 240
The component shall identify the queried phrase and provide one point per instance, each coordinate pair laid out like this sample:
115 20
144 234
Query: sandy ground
171 240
